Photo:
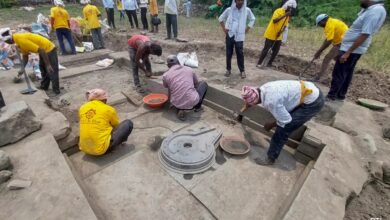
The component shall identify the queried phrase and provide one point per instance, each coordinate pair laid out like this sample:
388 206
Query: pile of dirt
365 83
373 202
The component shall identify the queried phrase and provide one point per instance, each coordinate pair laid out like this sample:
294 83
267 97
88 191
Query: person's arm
287 14
114 121
280 113
252 19
324 45
139 56
222 19
195 79
98 12
23 61
43 54
355 45
52 22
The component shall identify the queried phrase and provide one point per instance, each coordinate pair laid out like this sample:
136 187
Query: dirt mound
373 202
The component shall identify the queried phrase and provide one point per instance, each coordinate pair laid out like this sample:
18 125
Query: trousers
300 116
231 44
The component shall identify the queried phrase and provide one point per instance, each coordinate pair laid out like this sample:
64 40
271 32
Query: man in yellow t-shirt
334 31
91 14
273 34
100 129
34 43
59 18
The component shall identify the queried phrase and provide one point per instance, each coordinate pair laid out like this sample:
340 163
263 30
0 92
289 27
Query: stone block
309 150
70 141
116 99
5 175
302 158
56 124
18 184
386 132
17 120
5 162
313 141
386 172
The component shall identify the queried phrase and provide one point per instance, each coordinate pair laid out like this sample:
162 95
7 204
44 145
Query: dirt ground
365 84
373 202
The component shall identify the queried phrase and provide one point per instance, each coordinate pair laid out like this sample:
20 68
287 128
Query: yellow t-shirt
60 16
97 120
334 30
91 13
119 5
273 29
30 43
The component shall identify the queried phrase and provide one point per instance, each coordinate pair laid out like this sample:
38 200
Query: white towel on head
290 3
59 3
241 21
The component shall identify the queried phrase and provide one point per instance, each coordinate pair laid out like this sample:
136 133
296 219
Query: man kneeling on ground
100 130
291 102
186 92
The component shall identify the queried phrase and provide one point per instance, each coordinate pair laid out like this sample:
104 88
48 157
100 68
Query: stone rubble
18 184
5 162
5 175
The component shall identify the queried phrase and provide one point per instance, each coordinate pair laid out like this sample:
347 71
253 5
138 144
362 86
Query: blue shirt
369 22
129 4
108 3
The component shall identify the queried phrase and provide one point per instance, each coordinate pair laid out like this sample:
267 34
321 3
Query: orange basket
155 100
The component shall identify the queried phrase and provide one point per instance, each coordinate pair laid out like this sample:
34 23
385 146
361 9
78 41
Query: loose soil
211 56
373 202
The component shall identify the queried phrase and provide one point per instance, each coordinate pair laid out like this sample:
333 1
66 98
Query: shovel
307 67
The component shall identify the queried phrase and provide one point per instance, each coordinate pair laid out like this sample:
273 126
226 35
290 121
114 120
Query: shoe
243 75
329 99
198 109
57 92
228 73
181 115
264 161
43 88
270 65
139 89
167 38
259 66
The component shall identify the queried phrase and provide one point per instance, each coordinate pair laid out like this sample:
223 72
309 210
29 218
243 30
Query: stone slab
93 56
76 71
137 188
372 104
240 189
302 158
18 184
56 124
54 194
17 120
69 141
116 99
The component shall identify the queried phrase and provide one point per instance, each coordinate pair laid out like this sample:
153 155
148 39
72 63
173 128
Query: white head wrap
290 3
5 34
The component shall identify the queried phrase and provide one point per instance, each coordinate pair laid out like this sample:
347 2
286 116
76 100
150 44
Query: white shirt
129 4
283 96
235 21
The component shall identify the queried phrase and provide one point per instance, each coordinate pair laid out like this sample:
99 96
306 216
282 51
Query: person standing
100 130
186 92
187 6
291 102
273 34
153 10
233 22
109 7
119 6
140 47
91 14
334 31
59 19
130 7
29 43
171 12
355 43
144 9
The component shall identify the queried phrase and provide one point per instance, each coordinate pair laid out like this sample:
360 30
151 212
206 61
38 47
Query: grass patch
303 42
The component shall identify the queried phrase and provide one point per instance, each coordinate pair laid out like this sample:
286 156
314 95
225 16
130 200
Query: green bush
7 3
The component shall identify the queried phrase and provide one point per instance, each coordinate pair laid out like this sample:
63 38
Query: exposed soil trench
211 56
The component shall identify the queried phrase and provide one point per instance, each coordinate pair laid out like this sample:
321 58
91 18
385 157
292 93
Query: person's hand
288 13
317 55
344 57
49 69
268 126
247 29
226 31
